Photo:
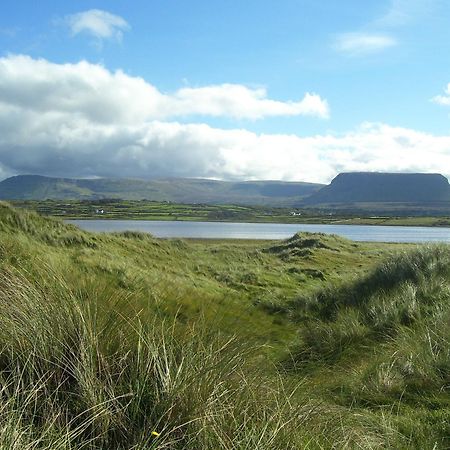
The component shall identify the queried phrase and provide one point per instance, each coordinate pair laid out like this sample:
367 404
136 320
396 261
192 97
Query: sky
294 90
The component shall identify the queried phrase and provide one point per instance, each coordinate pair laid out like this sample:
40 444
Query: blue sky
295 90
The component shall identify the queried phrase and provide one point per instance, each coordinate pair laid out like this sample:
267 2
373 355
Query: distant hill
373 187
357 190
181 190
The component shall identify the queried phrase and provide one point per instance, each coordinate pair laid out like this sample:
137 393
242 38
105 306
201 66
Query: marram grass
76 373
129 342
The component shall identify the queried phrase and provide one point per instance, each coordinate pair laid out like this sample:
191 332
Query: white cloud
376 35
360 44
399 13
98 23
443 99
239 101
81 120
403 12
92 92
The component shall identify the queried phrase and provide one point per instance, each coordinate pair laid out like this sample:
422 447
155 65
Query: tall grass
413 267
392 327
80 369
407 292
120 342
76 372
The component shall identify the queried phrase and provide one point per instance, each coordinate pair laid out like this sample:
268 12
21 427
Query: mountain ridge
179 190
347 188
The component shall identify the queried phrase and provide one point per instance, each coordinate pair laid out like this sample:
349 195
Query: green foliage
107 338
392 327
79 372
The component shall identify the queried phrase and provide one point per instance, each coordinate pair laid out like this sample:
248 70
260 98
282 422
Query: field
151 210
124 341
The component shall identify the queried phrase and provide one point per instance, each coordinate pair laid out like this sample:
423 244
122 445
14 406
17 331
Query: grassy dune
129 342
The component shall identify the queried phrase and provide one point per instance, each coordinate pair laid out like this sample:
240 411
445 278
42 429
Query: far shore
376 214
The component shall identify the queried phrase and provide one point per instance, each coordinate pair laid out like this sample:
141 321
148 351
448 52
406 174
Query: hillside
126 341
373 187
180 190
375 193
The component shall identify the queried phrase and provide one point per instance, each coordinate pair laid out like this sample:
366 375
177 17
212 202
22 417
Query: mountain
181 190
374 187
355 189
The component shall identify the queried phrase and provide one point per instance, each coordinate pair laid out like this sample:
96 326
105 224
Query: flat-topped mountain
355 188
370 187
181 190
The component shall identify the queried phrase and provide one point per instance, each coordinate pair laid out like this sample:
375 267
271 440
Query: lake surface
228 230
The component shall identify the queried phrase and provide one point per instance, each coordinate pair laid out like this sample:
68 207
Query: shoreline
360 221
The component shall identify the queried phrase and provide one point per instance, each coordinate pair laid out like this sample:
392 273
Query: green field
150 210
124 341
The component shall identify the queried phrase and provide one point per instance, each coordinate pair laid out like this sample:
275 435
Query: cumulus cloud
359 44
443 99
81 120
97 23
98 95
241 102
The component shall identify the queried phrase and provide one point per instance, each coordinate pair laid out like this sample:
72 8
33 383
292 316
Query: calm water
221 230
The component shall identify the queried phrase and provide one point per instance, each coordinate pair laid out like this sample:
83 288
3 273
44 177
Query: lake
229 230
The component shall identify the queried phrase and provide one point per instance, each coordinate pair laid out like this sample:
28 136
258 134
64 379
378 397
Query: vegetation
152 210
128 342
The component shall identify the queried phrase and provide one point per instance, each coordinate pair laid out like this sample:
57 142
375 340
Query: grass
365 214
315 342
391 328
78 376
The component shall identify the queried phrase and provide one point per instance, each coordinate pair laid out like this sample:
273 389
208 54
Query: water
229 230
